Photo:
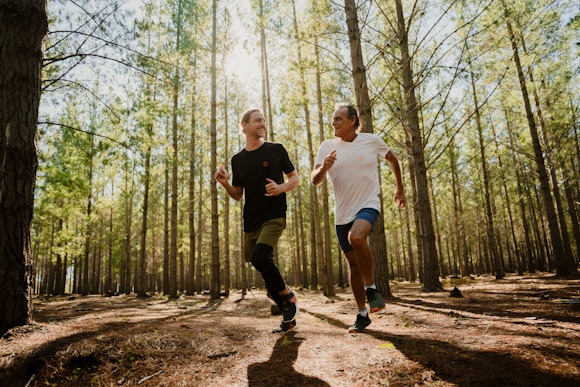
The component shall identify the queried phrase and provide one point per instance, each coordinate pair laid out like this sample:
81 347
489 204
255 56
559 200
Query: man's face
342 125
256 126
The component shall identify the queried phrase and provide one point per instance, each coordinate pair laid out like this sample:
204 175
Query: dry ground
520 331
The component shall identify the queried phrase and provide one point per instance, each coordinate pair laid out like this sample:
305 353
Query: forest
140 103
121 257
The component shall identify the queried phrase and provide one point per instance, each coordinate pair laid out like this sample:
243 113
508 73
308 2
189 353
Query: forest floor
519 331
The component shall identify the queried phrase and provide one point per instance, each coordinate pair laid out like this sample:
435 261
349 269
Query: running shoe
285 326
360 324
375 299
288 306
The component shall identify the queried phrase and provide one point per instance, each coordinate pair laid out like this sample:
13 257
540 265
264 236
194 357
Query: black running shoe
285 326
360 324
288 306
375 299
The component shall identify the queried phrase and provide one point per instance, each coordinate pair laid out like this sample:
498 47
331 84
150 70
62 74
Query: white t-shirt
354 175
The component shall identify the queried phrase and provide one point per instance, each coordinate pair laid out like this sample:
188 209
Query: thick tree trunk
23 27
378 241
430 275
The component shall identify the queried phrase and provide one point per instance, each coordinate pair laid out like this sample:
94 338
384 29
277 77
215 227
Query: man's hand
400 198
273 188
329 160
221 175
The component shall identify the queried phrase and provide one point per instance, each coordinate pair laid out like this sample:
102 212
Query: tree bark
215 248
430 274
23 27
325 206
316 240
141 288
189 283
266 100
377 238
174 160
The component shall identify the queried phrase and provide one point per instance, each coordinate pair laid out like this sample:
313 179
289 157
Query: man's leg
358 238
262 259
356 282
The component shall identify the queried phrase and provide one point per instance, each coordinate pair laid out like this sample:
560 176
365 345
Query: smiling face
255 126
344 127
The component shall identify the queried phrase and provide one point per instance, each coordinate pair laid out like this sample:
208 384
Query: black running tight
262 260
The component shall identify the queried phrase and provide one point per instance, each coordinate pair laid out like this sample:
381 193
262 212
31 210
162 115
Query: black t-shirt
250 170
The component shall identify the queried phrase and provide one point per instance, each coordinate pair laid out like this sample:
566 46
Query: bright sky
243 64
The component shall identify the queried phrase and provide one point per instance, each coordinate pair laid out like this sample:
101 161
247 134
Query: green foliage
109 85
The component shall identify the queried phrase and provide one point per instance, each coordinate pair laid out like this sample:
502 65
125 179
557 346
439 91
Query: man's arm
273 189
221 176
400 197
317 174
319 171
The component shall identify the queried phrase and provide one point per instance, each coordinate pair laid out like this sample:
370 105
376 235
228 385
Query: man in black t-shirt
258 174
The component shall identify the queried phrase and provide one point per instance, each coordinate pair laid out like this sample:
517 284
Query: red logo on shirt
265 163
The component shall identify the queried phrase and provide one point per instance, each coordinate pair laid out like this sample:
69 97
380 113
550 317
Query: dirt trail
521 331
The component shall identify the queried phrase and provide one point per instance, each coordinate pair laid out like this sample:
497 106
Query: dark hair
351 112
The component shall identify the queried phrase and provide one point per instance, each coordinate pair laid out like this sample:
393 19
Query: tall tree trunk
377 239
190 283
442 270
266 100
573 216
430 275
563 266
489 213
141 288
109 275
569 256
529 251
173 248
87 244
508 205
316 239
23 27
457 215
242 259
191 269
227 264
198 262
60 275
215 247
417 223
325 206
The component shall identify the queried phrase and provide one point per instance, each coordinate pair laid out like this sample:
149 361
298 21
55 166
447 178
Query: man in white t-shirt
351 160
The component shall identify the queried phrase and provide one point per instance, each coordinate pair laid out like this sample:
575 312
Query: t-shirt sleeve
236 176
285 162
382 148
323 151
